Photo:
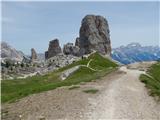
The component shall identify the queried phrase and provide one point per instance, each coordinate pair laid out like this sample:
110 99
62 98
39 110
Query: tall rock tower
94 35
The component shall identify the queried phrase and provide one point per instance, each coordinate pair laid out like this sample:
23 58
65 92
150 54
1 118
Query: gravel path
121 96
125 98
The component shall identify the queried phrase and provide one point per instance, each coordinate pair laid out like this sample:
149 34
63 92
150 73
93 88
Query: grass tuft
92 91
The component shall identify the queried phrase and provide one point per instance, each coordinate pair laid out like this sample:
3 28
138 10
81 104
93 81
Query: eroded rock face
33 54
77 43
54 49
94 35
46 54
70 49
61 60
8 52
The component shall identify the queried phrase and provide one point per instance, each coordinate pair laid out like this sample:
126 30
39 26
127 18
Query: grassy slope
152 83
15 89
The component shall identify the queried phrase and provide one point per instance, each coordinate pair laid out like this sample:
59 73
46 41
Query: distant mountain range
134 52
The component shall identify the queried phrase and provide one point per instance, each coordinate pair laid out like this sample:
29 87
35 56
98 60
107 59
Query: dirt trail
121 96
125 98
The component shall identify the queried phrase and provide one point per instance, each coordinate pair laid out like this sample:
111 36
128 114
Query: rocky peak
94 35
33 54
54 49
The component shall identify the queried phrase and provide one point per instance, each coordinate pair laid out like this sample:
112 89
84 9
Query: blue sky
34 24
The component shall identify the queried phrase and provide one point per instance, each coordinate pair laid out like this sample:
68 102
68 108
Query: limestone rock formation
70 49
60 60
46 54
8 52
94 35
53 49
33 54
77 43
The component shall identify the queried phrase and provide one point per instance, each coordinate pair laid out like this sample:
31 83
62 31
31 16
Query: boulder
54 49
70 49
94 35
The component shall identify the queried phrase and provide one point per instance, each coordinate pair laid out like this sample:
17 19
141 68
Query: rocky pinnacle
94 35
54 49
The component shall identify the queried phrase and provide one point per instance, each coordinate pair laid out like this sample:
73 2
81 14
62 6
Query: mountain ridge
135 52
9 52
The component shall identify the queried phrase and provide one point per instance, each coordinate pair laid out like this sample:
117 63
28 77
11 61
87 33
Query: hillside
118 95
8 52
152 79
18 88
134 52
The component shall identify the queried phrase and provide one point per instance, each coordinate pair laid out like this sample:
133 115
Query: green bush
92 91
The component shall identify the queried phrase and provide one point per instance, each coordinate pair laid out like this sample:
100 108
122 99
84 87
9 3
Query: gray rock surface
54 49
94 35
26 59
77 43
70 49
46 54
61 60
33 54
8 52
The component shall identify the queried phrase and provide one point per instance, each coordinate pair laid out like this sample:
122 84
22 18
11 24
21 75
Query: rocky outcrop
60 60
33 54
94 35
54 49
77 43
26 59
8 52
70 49
46 54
